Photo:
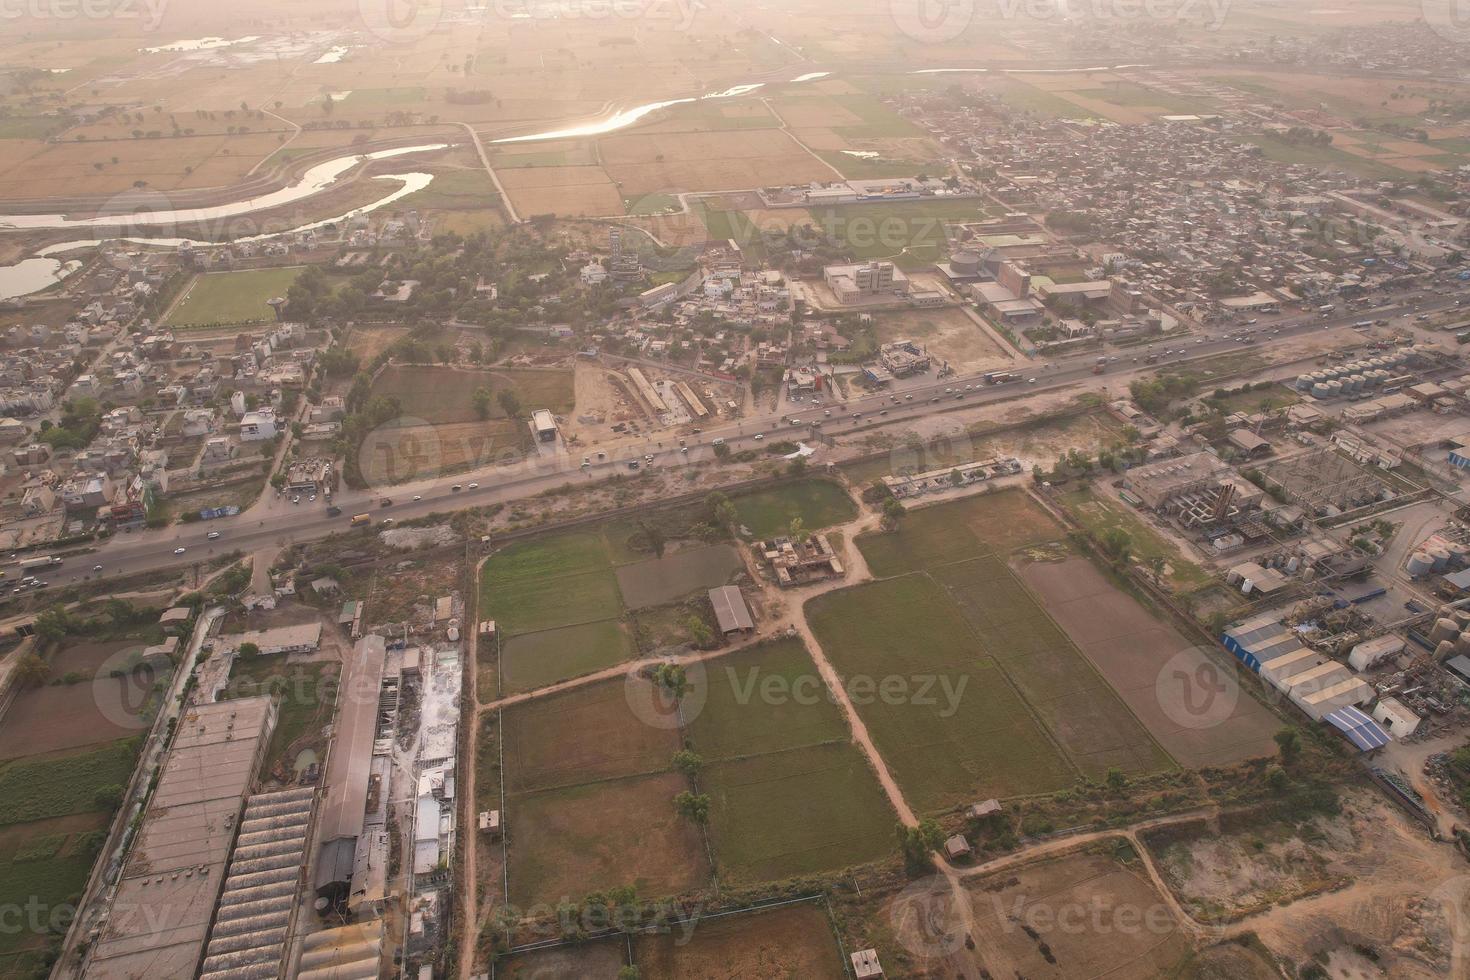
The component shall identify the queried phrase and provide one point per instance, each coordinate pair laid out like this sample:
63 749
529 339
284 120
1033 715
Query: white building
257 426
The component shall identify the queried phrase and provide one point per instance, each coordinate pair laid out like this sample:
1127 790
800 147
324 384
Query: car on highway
648 458
386 502
632 464
313 498
213 535
418 496
759 436
96 568
474 486
386 521
334 511
456 488
1030 381
683 449
296 499
602 455
179 551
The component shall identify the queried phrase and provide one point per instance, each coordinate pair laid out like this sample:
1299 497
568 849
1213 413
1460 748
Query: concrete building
257 426
1158 484
543 423
160 914
279 639
349 765
1397 717
865 281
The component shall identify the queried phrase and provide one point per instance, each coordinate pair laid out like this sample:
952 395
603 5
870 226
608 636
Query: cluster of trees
80 420
1155 395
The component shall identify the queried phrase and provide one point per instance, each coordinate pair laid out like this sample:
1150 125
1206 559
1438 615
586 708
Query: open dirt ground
1132 649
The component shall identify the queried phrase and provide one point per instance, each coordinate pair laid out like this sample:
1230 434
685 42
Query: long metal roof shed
730 609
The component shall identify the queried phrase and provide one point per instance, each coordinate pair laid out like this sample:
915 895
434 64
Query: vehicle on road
296 498
386 521
96 568
213 535
632 464
386 502
648 458
179 551
418 496
360 520
456 488
474 486
759 436
334 511
46 561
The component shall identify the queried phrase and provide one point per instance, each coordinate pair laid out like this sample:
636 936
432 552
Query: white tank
1440 557
1419 565
1292 564
1444 630
1320 390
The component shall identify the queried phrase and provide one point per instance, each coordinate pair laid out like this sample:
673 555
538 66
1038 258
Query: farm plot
591 793
42 787
961 732
795 941
789 792
1082 915
231 297
565 191
1088 719
1132 648
532 660
445 394
600 960
715 161
45 862
78 709
661 580
995 523
819 504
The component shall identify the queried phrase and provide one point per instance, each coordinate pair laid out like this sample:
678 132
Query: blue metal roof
1460 580
1360 729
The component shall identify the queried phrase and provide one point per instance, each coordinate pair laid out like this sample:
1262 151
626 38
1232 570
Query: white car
1030 381
759 436
213 535
418 496
648 458
474 486
96 568
179 551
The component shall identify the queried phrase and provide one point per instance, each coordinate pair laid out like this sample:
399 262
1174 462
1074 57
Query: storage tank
1320 389
1292 564
1444 651
966 263
1334 389
1440 557
1303 382
1352 385
1444 630
1419 565
1462 617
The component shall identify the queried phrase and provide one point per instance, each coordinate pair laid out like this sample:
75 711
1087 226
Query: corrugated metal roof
730 609
1360 729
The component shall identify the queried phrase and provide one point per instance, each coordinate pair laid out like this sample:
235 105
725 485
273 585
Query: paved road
278 523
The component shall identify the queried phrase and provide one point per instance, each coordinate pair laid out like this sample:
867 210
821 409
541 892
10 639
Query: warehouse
159 916
730 610
280 639
349 764
252 925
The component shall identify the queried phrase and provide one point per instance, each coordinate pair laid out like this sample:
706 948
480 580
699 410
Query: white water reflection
33 275
315 180
626 118
199 44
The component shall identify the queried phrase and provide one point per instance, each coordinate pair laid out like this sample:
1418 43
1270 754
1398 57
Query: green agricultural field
38 787
541 604
46 863
444 395
819 504
532 660
459 190
231 297
994 523
1100 512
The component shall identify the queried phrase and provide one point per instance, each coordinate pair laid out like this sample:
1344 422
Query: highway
276 522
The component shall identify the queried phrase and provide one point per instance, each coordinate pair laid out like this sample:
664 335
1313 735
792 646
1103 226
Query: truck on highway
361 520
30 564
1001 377
1326 308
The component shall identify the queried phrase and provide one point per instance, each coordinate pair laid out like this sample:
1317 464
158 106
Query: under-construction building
622 266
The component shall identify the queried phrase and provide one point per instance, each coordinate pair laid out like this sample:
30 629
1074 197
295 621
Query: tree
53 624
918 842
630 973
688 762
248 649
796 530
671 678
655 536
700 631
1156 566
510 404
892 511
1116 544
108 798
483 399
797 467
31 671
722 451
1115 779
694 806
1277 779
1289 742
